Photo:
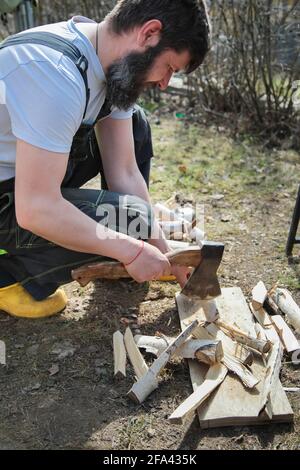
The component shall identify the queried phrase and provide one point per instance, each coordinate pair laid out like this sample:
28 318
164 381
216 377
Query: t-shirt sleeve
121 114
45 105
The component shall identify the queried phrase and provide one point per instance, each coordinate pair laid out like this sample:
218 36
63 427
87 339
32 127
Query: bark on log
257 344
288 306
206 351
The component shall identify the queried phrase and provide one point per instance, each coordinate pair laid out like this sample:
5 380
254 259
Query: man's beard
126 78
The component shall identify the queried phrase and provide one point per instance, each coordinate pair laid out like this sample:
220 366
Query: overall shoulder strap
57 43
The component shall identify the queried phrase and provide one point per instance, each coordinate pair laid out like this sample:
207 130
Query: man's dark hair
185 24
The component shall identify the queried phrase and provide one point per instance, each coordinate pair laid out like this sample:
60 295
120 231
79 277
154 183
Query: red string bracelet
139 253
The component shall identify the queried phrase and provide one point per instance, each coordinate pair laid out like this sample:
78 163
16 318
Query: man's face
127 78
167 63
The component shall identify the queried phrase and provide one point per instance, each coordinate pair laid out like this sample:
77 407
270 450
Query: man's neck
112 47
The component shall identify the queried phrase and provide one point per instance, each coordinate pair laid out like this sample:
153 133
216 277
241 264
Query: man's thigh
122 213
41 266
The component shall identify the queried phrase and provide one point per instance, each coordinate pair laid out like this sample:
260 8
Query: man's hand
181 273
151 264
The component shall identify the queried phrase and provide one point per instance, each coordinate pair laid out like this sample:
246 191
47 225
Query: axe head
204 283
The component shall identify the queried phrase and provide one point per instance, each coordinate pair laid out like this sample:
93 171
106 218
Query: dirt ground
57 390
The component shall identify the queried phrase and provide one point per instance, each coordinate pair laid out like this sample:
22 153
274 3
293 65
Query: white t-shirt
43 97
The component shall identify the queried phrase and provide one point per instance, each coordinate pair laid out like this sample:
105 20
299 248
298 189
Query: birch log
258 344
288 306
206 351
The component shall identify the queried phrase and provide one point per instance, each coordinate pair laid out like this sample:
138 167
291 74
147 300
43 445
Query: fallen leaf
182 169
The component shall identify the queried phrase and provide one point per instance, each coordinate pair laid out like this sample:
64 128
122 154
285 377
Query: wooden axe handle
189 257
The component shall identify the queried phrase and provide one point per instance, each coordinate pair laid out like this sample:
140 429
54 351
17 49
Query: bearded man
68 113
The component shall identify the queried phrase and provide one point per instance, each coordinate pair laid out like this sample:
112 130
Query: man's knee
141 218
127 214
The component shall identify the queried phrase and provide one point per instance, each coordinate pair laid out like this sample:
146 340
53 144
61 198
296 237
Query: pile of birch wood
179 222
234 360
253 356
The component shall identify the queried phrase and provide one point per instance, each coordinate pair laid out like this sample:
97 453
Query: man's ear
149 33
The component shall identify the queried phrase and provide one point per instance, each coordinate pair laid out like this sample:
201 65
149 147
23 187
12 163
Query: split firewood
197 235
215 376
242 337
271 307
119 355
272 335
261 334
210 310
271 377
230 359
235 366
206 351
261 316
165 214
286 335
149 381
259 295
187 213
136 359
212 332
288 306
176 229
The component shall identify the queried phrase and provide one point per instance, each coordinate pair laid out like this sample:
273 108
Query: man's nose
164 83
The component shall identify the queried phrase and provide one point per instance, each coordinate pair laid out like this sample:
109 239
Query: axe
203 282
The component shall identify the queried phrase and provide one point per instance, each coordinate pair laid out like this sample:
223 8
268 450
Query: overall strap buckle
82 64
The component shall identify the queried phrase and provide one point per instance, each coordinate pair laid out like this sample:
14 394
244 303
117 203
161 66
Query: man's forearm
80 232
